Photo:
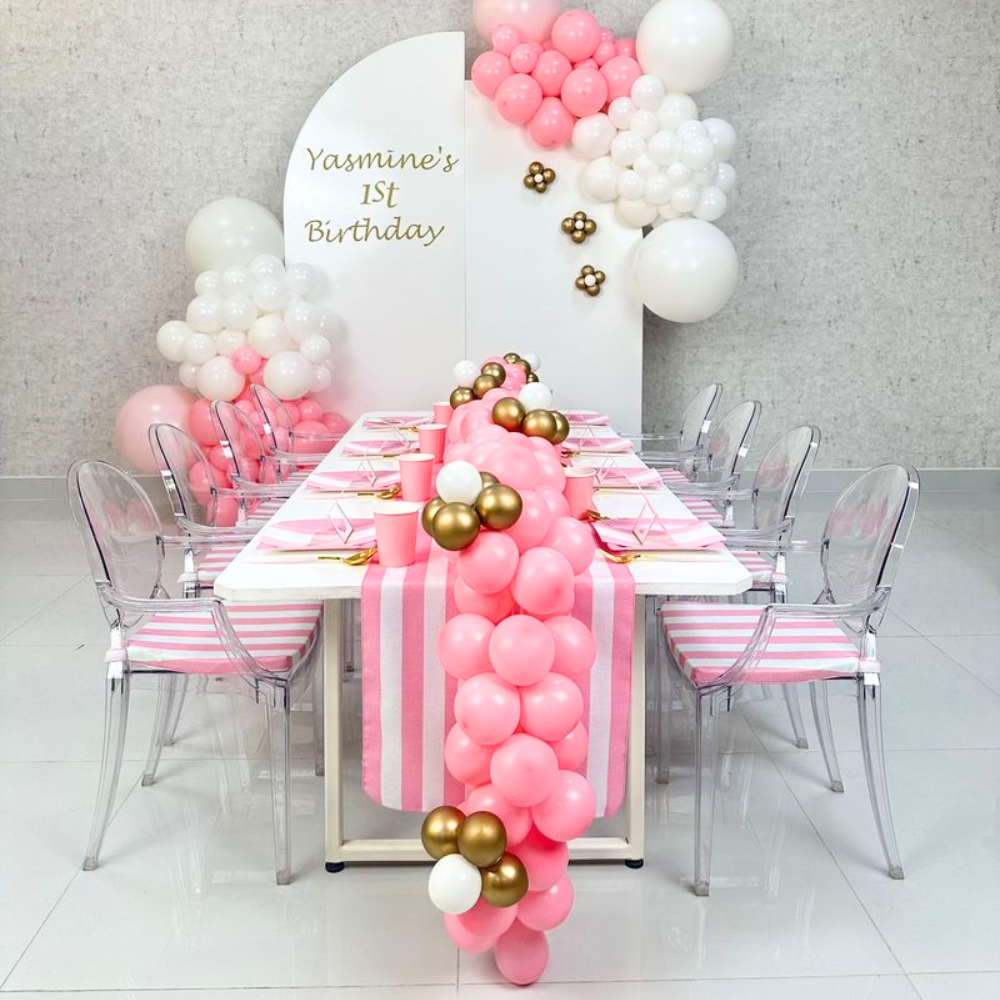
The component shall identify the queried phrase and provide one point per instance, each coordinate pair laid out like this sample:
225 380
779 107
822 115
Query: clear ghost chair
278 427
683 447
269 647
710 650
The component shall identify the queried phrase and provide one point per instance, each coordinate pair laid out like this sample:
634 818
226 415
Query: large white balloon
459 482
533 18
302 320
454 884
171 338
204 314
465 373
188 374
231 231
592 135
199 348
230 341
686 43
301 278
322 378
315 348
238 312
288 375
269 335
686 270
535 396
217 379
600 178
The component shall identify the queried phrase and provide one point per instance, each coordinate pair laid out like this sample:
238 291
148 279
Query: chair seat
278 636
263 512
762 567
673 476
706 639
214 560
703 510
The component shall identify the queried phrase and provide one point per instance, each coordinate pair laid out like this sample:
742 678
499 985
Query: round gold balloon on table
498 506
523 365
427 514
460 396
496 370
440 829
539 423
562 428
512 357
455 526
506 882
508 413
488 479
482 839
483 384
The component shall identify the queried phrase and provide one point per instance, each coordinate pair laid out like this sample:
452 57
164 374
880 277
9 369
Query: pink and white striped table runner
408 697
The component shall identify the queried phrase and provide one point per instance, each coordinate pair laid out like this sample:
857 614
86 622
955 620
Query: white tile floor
800 906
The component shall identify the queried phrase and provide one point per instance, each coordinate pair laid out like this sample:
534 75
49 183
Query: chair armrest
298 458
767 540
265 491
209 533
722 490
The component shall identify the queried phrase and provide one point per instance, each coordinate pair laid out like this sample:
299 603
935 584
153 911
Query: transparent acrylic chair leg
317 696
165 700
278 731
870 719
175 715
705 776
824 730
791 694
115 723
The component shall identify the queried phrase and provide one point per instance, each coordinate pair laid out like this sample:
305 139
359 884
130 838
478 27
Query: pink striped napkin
352 479
379 446
586 417
315 533
626 475
397 420
408 698
587 442
685 533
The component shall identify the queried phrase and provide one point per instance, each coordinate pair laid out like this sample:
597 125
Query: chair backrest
187 474
240 440
728 443
782 475
276 421
865 533
698 416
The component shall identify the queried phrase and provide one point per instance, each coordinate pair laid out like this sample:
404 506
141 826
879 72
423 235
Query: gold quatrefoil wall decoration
578 227
590 280
539 177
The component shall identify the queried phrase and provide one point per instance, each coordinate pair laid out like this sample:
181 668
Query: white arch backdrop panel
476 264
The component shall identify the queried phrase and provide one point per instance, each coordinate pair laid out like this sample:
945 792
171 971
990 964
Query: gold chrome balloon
532 377
539 423
578 227
538 177
506 882
508 413
461 396
512 357
495 369
483 384
440 829
427 514
482 839
455 526
488 479
523 365
562 428
499 507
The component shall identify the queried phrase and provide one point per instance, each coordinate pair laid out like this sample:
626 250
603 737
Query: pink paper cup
579 491
396 532
431 438
416 474
442 413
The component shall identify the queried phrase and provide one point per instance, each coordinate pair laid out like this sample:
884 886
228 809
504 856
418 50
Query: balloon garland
500 873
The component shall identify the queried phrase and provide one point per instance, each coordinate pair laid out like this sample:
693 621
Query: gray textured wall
867 224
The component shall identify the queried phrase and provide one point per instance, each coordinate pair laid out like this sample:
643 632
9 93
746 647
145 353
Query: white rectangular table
255 577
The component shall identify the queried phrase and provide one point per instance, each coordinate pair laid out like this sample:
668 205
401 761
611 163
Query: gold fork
355 559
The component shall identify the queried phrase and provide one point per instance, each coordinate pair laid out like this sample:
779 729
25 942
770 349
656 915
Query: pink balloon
518 439
551 708
312 436
459 452
525 56
524 770
545 860
551 125
245 360
518 98
575 540
533 524
550 471
554 498
336 423
576 33
576 649
468 761
571 751
625 47
463 939
309 409
492 606
488 71
516 819
569 810
494 396
605 50
550 71
620 72
489 563
584 91
156 404
521 954
486 920
217 457
586 64
546 910
515 467
533 18
505 38
463 645
292 409
522 650
542 446
488 432
543 583
226 511
200 424
488 709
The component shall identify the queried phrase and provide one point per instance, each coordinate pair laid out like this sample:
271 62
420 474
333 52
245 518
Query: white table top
254 576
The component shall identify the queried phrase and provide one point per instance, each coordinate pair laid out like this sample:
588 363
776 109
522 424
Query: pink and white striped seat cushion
762 567
214 560
263 512
706 639
703 510
277 635
673 476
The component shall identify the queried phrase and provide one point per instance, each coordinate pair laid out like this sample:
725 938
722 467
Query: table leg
333 686
635 816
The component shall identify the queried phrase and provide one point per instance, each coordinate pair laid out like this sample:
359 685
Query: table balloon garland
501 858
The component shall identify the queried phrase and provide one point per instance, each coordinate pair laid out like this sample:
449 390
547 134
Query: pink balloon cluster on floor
547 86
518 653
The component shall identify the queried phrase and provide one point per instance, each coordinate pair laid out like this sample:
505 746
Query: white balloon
686 43
692 130
707 175
645 167
204 314
685 198
270 295
592 136
229 341
678 174
171 338
648 92
664 148
620 111
686 271
630 185
668 212
188 374
217 379
237 280
459 482
635 213
697 153
200 347
268 336
322 378
600 179
238 312
302 319
316 348
725 180
329 323
454 884
723 137
465 373
535 396
208 283
267 265
533 360
288 375
627 147
231 231
645 123
301 278
712 205
677 109
657 190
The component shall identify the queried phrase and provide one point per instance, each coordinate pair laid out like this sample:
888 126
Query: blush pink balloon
468 761
543 583
550 71
518 98
551 472
489 563
576 33
156 404
551 125
490 70
571 751
524 770
336 423
461 938
488 709
312 437
575 540
550 709
217 456
586 64
521 954
245 360
625 47
309 409
546 910
485 920
620 72
605 50
463 645
554 498
292 409
543 447
569 810
545 860
515 467
532 18
533 524
522 650
495 607
459 452
516 819
200 423
575 646
481 454
506 38
494 396
525 56
518 439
